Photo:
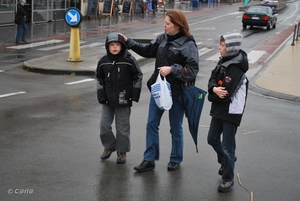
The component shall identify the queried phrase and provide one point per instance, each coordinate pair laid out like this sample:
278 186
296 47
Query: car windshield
257 10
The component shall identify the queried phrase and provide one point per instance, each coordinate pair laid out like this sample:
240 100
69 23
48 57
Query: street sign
73 17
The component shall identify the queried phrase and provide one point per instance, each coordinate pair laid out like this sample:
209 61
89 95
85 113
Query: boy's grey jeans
122 122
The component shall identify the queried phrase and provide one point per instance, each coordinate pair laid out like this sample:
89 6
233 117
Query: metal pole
293 43
297 31
54 29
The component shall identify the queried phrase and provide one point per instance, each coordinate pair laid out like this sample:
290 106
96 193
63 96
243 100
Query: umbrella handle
196 148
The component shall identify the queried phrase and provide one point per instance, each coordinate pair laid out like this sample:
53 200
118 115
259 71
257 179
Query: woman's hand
123 36
165 70
220 91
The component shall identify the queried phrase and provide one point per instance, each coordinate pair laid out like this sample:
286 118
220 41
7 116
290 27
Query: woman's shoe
145 166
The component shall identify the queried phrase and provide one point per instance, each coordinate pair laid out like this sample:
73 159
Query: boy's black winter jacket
119 78
229 73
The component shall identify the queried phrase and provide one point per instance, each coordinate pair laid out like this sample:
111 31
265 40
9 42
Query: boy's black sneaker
225 186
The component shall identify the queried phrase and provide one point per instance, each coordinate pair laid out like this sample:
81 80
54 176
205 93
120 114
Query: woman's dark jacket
21 14
177 53
229 73
119 77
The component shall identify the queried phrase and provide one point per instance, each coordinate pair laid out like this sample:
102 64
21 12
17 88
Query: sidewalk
279 77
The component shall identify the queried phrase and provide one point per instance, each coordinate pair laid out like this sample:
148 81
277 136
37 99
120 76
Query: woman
174 50
21 22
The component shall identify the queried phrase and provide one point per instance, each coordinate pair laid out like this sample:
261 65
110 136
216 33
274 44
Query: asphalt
276 74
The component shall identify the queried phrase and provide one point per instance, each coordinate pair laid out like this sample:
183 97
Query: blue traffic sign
73 17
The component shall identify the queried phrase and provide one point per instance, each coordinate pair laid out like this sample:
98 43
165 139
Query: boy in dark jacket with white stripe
227 90
119 82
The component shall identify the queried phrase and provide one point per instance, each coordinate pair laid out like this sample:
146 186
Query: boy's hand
220 91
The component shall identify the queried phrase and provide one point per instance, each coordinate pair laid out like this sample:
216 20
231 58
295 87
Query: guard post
73 18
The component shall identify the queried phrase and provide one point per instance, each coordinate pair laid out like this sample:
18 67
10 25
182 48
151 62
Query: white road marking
215 57
30 45
85 46
1 71
254 55
12 94
214 18
58 46
204 50
80 81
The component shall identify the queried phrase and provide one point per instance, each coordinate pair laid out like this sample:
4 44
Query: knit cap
233 43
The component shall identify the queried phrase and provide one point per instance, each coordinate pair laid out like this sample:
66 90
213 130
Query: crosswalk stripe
204 50
215 57
92 45
254 55
85 46
30 45
80 81
12 94
58 46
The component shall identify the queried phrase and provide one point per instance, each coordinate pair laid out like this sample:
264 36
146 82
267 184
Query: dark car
259 16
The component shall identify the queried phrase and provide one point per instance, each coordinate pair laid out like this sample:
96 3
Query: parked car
259 16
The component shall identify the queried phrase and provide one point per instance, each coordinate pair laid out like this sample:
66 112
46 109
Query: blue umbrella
192 99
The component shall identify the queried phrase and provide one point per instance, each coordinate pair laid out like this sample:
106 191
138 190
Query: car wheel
244 26
268 27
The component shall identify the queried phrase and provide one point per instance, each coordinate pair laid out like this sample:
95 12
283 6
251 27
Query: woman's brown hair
178 18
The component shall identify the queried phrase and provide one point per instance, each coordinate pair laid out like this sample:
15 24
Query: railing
296 33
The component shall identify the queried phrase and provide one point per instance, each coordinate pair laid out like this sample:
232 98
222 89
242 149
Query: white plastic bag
161 92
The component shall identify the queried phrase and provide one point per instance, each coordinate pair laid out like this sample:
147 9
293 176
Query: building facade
39 11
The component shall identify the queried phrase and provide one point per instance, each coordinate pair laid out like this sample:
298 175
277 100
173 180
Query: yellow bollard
74 54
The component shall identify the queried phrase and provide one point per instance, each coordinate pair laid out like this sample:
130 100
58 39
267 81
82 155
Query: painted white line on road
87 46
58 46
206 28
204 50
80 81
254 55
18 47
92 45
1 71
12 94
215 57
199 43
214 18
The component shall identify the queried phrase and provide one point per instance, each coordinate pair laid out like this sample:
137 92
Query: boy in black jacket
227 90
119 82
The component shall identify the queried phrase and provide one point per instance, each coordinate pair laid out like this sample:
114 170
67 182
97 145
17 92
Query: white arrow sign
73 17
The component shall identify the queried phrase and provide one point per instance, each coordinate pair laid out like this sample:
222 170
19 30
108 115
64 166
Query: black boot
145 166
